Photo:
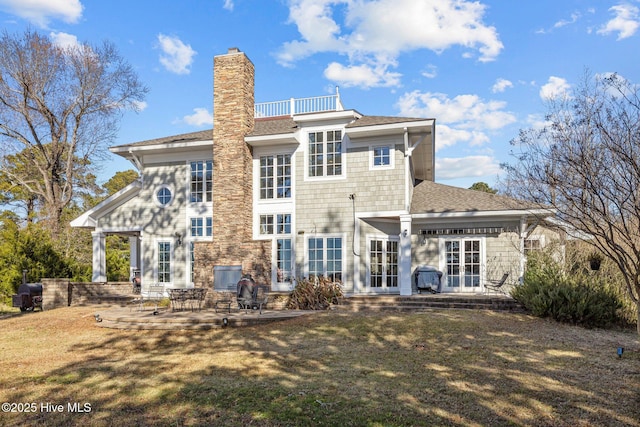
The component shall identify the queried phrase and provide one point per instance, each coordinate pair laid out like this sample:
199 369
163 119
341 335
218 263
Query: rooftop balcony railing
293 106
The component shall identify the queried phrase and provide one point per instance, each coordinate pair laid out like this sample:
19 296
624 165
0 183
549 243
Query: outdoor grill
427 278
29 295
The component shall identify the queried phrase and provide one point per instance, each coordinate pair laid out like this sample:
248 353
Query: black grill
29 296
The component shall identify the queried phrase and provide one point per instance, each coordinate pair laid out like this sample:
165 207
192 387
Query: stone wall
58 293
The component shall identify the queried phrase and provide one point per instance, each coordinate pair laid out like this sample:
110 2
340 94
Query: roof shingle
431 197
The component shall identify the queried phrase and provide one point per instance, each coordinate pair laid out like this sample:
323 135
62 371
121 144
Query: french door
383 265
463 260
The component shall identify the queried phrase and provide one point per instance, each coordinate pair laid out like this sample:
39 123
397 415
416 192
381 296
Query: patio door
383 265
463 260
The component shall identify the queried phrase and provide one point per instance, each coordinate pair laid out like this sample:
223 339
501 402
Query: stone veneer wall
233 106
58 293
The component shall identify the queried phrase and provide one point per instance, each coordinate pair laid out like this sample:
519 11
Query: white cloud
228 4
41 12
465 118
430 71
375 33
200 117
466 167
363 75
501 85
625 22
64 40
554 88
176 56
564 22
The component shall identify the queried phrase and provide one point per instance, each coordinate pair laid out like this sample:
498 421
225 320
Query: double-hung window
275 224
325 257
381 157
202 226
201 183
325 153
275 177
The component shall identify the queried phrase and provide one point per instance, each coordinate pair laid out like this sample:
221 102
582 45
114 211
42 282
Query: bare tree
585 163
61 106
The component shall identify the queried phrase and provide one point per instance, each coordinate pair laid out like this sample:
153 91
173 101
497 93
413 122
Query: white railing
294 106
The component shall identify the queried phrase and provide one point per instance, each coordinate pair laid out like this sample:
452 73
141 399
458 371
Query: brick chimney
233 118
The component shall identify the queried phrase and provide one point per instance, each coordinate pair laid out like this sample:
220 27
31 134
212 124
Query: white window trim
158 189
197 206
384 238
442 256
392 155
282 286
323 236
343 151
204 236
172 260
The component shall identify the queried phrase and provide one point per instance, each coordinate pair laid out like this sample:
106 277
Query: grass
362 369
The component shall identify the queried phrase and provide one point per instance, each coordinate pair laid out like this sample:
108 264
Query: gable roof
433 198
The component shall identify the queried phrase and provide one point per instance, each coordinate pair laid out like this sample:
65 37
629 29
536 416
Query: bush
315 293
579 299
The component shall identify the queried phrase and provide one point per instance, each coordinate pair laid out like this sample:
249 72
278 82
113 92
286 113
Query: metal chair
497 285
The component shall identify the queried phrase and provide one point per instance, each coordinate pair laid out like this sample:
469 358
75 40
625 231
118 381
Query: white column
405 255
134 254
99 257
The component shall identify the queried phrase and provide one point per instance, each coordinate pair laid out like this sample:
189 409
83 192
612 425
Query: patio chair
154 294
497 285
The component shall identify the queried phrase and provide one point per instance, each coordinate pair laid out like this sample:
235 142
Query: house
305 187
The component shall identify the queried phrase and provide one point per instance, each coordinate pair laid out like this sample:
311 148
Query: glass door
383 265
463 258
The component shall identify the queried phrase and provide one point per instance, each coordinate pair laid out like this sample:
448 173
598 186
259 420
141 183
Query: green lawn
365 369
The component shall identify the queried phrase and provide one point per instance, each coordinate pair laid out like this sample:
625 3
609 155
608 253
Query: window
532 244
282 224
284 263
463 263
325 257
381 157
202 226
383 263
266 224
275 177
325 153
201 181
164 196
164 262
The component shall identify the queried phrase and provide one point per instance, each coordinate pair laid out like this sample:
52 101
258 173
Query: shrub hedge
577 298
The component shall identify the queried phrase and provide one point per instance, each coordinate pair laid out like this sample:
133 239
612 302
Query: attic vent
460 231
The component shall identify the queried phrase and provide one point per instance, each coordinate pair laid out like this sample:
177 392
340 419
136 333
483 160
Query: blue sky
481 69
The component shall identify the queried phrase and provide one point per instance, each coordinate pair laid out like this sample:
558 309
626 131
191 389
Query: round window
164 196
